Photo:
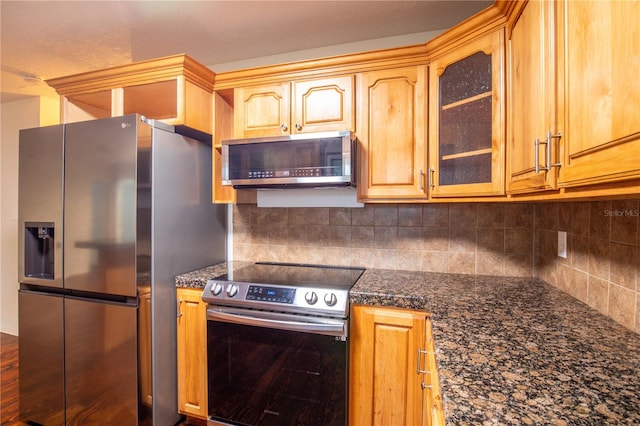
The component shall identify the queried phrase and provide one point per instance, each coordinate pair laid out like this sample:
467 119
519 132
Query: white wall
22 114
16 115
321 52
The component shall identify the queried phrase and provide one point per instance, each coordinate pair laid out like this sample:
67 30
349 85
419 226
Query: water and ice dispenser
39 244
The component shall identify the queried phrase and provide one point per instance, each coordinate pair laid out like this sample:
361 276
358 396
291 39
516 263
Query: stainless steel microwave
300 160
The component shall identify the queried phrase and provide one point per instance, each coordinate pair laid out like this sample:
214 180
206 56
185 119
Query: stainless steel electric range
277 344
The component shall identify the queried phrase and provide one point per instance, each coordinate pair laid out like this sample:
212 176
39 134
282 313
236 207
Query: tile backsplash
486 239
602 267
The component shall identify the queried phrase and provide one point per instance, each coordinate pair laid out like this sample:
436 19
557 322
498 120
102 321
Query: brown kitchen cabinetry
533 102
393 379
321 95
294 107
391 129
466 119
174 89
222 129
574 118
434 409
600 91
192 353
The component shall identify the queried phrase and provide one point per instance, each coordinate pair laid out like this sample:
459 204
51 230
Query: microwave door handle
288 325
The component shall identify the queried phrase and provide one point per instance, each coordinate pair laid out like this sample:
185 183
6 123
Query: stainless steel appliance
277 344
109 212
299 160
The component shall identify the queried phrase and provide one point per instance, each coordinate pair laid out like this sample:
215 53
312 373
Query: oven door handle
323 326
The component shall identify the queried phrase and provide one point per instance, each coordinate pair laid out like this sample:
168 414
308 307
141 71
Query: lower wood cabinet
192 353
393 373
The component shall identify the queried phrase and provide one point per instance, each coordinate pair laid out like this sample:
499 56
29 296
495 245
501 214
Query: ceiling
46 39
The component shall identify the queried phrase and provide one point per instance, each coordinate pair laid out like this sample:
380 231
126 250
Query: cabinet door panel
262 111
532 98
385 388
467 119
601 91
323 105
192 353
391 131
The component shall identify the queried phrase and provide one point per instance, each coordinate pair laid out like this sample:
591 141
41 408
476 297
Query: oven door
267 368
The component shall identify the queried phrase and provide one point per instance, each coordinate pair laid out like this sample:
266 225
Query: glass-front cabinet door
466 113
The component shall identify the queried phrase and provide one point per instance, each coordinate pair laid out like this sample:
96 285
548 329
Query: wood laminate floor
9 380
9 406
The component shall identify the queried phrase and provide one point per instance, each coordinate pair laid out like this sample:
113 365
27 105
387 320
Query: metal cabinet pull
298 126
421 180
536 154
432 181
549 137
179 301
547 142
418 369
284 127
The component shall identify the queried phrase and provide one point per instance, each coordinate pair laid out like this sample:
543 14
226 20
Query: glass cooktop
295 275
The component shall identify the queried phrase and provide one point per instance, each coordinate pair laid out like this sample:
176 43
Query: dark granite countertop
198 278
510 351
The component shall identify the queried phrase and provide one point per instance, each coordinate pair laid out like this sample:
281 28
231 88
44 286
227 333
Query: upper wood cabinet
294 107
466 119
262 111
192 353
599 90
531 151
320 95
393 379
574 116
175 89
391 129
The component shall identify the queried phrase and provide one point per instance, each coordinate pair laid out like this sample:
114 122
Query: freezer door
40 178
41 358
101 363
100 205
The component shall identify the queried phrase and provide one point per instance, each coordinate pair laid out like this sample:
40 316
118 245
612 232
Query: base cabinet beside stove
385 386
393 372
192 353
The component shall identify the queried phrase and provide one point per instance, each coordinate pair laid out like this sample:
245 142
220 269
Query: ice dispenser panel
39 243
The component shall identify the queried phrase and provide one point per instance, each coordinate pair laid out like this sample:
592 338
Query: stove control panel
271 294
305 300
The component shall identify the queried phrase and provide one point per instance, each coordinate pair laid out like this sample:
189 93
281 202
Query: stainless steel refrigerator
110 211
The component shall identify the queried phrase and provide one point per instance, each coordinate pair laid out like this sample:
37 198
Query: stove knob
311 297
216 289
232 290
330 299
